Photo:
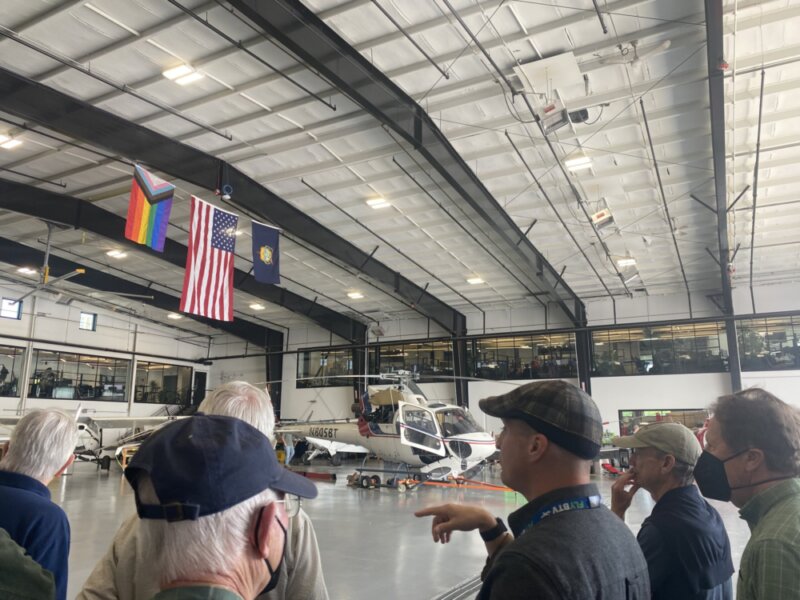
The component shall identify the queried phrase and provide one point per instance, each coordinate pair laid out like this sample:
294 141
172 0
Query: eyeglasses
291 504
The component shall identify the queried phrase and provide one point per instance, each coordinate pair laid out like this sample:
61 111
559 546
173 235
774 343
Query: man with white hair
217 528
41 449
126 572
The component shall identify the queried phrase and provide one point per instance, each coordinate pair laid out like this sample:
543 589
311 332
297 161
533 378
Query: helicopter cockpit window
420 428
456 421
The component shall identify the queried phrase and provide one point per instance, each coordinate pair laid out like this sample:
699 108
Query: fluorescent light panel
474 280
116 253
578 163
626 262
27 271
176 72
355 295
257 306
9 143
190 78
174 316
377 203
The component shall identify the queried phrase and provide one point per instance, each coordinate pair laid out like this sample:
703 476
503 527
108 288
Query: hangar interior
480 192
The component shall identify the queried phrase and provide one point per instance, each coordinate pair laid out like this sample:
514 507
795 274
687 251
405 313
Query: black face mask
274 574
709 473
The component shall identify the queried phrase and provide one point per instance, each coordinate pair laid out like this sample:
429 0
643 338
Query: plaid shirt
770 567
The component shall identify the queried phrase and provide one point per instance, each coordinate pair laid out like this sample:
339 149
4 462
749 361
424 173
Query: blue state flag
265 253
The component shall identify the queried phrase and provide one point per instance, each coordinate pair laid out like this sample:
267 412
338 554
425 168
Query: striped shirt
770 567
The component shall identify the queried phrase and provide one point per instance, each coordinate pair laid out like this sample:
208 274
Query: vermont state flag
265 253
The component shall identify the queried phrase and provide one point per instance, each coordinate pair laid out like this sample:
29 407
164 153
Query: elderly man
565 545
41 448
752 458
217 527
684 540
126 571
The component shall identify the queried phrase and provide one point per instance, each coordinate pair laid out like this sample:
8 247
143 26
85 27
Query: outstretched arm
448 518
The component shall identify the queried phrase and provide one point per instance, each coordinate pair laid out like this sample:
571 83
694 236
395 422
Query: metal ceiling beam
27 99
715 50
304 34
81 214
21 255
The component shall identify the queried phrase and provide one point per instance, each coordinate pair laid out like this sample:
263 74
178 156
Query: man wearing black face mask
752 459
217 525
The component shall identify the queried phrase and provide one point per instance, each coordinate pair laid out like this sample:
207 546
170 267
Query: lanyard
566 505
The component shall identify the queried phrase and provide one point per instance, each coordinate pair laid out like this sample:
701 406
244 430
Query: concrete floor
371 544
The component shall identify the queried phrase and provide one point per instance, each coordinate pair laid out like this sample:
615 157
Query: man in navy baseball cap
217 521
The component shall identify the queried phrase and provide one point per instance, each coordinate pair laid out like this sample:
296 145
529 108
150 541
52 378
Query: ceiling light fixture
27 271
8 142
578 163
626 262
257 306
190 78
177 72
474 280
174 316
355 295
116 253
377 203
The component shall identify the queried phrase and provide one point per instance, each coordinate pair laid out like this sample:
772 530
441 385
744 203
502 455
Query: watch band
495 532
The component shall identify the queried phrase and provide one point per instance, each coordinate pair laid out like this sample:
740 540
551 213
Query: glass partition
12 360
159 383
667 349
73 376
769 344
631 420
431 360
531 356
324 368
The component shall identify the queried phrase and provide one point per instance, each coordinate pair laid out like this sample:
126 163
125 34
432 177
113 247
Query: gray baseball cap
669 438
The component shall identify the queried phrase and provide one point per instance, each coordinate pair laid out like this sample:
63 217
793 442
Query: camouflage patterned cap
565 414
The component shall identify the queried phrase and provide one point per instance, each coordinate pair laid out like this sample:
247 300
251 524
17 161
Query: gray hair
41 443
244 401
214 544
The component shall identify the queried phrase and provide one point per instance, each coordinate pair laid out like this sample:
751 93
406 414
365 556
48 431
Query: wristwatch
495 532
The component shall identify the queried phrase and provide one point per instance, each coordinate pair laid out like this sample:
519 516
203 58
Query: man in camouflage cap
564 543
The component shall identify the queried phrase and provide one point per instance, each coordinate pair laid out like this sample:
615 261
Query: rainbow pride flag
148 209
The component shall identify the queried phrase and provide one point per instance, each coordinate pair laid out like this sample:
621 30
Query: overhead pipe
666 206
755 188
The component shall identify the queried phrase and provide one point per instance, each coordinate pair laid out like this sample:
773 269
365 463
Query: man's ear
753 459
266 524
668 463
538 447
66 466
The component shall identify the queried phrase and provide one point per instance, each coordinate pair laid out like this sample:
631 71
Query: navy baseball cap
205 464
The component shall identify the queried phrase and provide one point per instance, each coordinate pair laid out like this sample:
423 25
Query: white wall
56 325
649 308
252 369
769 298
523 318
652 392
784 384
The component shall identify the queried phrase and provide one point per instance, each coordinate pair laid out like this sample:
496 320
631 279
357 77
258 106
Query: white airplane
90 432
399 425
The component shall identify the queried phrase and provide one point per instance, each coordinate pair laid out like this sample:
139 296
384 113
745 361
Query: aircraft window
456 421
420 428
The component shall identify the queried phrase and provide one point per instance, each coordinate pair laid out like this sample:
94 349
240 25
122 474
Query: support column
460 372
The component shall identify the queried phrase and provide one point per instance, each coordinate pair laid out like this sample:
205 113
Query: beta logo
328 433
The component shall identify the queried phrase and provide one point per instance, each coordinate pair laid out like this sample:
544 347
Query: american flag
208 281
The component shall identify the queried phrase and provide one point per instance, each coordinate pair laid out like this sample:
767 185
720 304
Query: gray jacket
587 554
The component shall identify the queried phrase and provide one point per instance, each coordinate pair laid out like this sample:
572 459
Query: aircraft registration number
323 432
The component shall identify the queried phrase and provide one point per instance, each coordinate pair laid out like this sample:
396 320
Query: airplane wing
129 422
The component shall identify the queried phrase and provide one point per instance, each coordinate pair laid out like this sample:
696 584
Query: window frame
11 302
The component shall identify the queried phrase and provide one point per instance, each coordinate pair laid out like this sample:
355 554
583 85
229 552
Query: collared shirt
770 566
687 548
197 592
557 557
37 524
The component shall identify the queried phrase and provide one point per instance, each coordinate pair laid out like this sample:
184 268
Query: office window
88 321
532 356
71 376
10 309
11 361
431 361
769 344
324 368
158 383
